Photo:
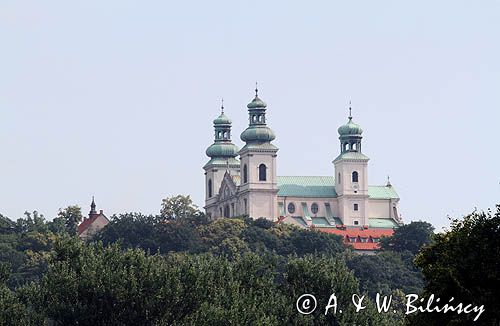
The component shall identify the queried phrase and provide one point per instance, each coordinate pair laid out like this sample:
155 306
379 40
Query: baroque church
244 182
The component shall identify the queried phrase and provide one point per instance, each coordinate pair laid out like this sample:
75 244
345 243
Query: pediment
228 188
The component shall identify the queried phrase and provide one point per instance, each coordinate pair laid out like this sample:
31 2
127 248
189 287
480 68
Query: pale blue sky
116 98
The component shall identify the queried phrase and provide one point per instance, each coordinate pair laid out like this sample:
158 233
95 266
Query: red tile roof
86 223
358 233
354 232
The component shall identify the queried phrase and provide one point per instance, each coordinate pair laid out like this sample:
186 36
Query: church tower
351 176
223 159
258 185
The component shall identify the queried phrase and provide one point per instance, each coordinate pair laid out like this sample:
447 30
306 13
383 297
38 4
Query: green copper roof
382 192
351 156
324 187
257 133
320 221
382 223
223 162
222 120
306 186
350 128
256 103
222 149
299 220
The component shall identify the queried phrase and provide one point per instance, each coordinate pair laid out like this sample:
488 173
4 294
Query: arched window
355 176
262 172
209 188
245 174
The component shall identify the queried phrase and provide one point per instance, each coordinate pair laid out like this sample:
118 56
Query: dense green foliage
185 270
96 285
386 273
25 245
409 237
223 236
464 263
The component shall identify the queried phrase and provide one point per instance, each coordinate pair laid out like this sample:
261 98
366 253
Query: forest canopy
178 269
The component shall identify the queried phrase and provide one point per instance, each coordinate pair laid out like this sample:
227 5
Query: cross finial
256 90
389 182
222 106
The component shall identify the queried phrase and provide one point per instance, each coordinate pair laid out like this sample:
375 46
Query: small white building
92 224
245 182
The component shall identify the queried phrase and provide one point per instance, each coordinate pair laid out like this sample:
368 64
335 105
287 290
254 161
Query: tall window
262 172
209 188
339 178
355 176
245 204
356 207
245 174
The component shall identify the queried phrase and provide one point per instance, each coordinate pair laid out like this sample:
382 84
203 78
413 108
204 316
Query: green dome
222 120
256 103
257 133
350 128
222 149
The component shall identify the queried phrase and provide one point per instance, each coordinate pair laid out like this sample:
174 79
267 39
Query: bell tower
351 175
222 155
259 187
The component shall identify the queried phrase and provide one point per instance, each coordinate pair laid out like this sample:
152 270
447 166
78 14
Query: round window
314 208
291 208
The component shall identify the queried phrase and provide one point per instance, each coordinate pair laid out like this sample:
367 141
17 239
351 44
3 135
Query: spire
388 182
350 111
222 106
92 207
256 90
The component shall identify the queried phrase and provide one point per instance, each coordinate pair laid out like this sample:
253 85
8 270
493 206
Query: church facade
244 182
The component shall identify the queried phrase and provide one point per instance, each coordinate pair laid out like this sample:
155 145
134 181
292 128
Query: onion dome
256 103
222 119
259 134
257 130
350 128
222 146
222 149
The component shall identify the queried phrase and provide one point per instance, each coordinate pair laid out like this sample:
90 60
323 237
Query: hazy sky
116 98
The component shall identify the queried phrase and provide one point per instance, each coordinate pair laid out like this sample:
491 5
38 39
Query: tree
386 272
12 311
179 206
463 263
72 216
409 237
